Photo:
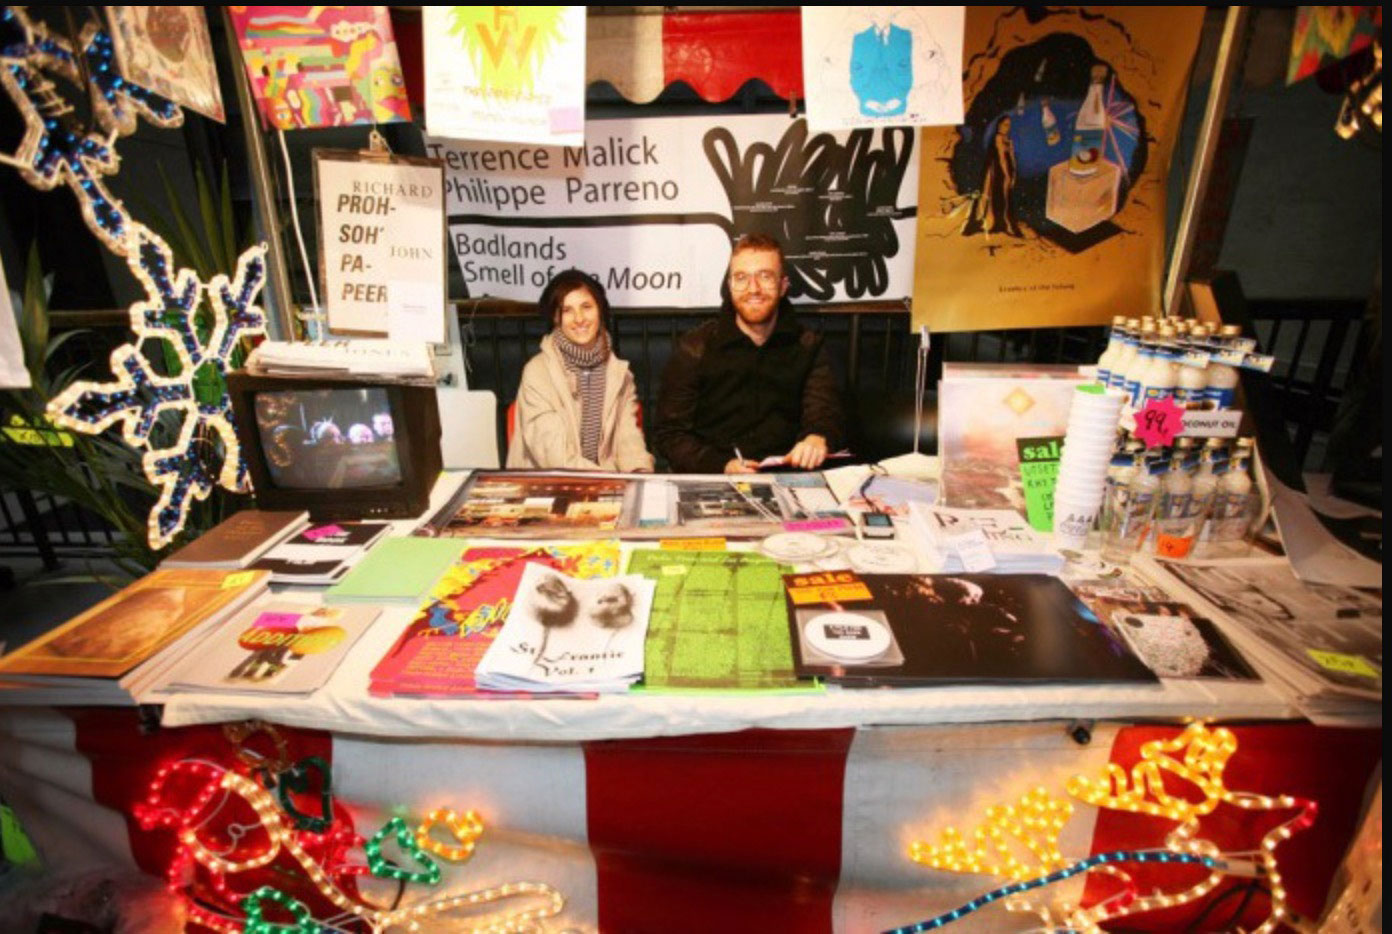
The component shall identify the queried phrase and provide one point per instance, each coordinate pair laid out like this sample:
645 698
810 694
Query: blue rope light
1116 856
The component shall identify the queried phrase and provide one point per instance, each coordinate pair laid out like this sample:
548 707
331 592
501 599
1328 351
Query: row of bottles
1174 359
1181 496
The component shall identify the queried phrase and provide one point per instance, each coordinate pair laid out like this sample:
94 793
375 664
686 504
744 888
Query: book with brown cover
128 627
238 540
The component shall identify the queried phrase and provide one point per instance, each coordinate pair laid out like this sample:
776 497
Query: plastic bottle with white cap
1232 505
1109 355
1191 382
1222 378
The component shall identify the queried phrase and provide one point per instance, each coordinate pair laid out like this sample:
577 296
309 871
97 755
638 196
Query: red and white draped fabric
641 53
803 830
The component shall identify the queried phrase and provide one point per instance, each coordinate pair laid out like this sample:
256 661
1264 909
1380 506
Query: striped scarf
587 365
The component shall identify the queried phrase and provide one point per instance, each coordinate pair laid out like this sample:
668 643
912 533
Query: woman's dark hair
561 285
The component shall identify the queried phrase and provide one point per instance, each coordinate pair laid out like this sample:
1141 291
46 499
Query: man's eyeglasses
743 280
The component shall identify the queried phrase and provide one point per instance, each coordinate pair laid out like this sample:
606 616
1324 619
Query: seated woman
577 407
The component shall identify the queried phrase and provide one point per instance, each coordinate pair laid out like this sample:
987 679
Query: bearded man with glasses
751 383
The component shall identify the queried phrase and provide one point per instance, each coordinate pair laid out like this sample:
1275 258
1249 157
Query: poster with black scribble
869 66
651 207
954 628
1046 206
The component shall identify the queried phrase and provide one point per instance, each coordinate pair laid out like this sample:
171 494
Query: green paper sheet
719 622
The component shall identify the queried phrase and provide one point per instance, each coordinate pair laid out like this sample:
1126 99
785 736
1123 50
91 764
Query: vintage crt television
340 447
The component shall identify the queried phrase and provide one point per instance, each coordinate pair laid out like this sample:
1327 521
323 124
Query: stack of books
112 653
997 541
239 540
322 554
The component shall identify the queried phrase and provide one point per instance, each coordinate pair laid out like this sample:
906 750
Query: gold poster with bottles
1046 208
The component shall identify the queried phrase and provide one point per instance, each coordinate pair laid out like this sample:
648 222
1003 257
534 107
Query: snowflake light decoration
197 392
56 149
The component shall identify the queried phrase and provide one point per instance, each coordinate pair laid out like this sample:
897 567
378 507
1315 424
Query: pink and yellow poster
321 66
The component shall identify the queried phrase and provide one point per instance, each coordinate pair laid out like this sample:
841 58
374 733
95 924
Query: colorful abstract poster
506 73
1324 35
1046 207
166 49
868 66
651 206
319 66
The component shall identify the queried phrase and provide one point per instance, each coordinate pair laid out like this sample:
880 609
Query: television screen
328 439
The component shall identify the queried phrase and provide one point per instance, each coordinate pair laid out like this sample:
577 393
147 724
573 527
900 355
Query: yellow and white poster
1046 207
505 73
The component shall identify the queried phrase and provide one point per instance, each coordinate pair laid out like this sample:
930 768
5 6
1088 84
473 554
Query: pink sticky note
816 525
277 621
1159 422
324 531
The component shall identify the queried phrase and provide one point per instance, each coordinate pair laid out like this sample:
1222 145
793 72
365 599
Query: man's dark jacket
720 392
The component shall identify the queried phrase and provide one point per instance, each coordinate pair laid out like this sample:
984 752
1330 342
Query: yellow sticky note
1346 664
830 593
692 544
238 579
673 570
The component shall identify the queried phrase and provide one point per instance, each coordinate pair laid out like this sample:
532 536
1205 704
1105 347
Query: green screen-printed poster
1039 465
719 621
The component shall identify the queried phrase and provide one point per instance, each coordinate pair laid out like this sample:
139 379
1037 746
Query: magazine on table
927 629
322 554
565 634
271 647
437 654
718 622
556 504
1173 638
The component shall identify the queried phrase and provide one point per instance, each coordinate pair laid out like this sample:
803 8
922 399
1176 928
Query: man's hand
739 465
808 453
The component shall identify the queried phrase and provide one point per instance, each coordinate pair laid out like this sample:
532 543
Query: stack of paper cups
1087 453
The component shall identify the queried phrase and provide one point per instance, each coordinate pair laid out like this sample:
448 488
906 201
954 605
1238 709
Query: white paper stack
1319 645
999 541
570 636
363 358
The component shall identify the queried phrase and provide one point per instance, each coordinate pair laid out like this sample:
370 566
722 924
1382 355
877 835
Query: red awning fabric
716 53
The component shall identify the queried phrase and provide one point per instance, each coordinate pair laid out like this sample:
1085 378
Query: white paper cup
1079 499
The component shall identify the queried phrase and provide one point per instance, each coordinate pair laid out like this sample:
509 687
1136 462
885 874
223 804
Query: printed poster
651 207
166 49
382 244
506 73
1324 35
319 66
882 66
1046 207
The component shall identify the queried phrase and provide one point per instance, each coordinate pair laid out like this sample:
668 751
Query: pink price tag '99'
1159 422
